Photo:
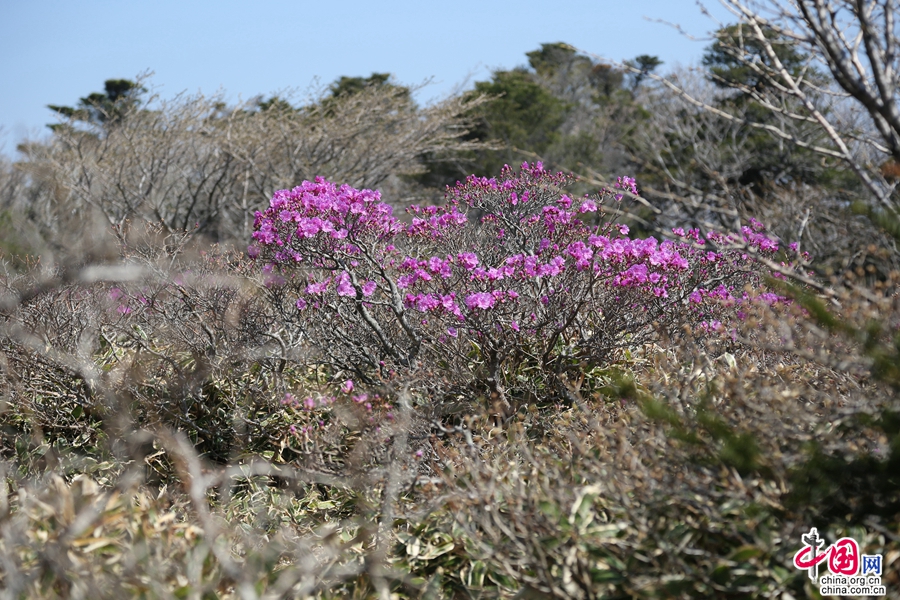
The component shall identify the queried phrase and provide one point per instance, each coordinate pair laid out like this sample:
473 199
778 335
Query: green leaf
745 553
432 551
475 577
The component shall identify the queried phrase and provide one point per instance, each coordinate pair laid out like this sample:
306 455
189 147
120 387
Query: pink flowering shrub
504 288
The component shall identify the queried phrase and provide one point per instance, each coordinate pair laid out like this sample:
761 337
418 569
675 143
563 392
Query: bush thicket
232 366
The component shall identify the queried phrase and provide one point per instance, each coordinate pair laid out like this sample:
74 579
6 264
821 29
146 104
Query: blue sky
55 51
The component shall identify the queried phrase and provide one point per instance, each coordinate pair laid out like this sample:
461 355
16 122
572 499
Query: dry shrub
686 467
194 163
686 476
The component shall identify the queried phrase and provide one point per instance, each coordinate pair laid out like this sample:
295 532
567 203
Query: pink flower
368 288
436 265
309 227
357 207
318 288
409 263
494 274
426 302
627 183
468 260
347 386
344 287
588 206
554 267
598 241
481 300
635 274
301 304
711 325
581 253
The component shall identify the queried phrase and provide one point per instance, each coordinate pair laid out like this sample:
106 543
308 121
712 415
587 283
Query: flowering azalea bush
505 287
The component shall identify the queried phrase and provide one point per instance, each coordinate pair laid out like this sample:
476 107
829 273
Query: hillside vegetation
338 347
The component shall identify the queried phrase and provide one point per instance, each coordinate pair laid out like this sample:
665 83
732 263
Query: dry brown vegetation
138 465
149 447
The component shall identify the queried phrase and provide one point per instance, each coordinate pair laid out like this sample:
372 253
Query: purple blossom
426 302
481 300
530 239
468 260
635 274
309 227
344 287
318 288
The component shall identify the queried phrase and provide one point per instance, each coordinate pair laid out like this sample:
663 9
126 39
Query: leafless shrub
784 48
361 139
193 164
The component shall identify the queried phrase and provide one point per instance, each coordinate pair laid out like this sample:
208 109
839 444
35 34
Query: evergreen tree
103 108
